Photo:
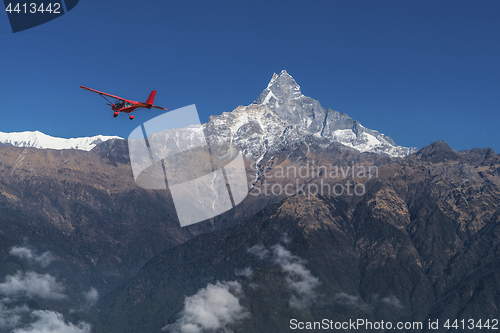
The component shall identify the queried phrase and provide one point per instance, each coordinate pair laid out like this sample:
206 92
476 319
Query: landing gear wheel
131 117
115 114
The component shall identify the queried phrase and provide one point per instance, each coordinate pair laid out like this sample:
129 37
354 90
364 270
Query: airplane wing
158 107
103 93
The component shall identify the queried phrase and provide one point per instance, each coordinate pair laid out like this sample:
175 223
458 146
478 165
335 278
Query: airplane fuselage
129 109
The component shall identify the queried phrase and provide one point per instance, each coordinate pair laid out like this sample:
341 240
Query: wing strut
105 99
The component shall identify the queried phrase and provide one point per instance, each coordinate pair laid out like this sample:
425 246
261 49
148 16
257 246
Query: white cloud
285 239
45 259
391 300
254 286
259 250
351 300
31 285
299 278
246 272
91 297
215 307
10 318
30 255
22 252
52 322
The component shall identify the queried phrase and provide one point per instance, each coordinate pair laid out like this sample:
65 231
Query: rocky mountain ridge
429 209
421 243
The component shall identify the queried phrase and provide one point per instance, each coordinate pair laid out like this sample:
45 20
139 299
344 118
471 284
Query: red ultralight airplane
125 105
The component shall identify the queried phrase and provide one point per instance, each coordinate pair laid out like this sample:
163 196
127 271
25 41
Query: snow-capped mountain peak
283 96
281 89
37 139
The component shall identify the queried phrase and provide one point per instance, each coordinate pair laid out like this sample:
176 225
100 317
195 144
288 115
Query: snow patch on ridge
40 140
268 97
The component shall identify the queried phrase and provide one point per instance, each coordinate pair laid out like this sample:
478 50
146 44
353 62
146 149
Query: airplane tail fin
151 97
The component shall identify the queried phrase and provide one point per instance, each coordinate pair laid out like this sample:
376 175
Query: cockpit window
120 104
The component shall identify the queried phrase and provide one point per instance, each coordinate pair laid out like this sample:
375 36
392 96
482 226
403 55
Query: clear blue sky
419 71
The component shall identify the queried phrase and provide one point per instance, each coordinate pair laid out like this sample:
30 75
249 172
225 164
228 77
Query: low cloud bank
214 308
31 285
52 322
376 301
91 297
30 255
298 277
10 318
389 300
259 251
245 272
343 298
